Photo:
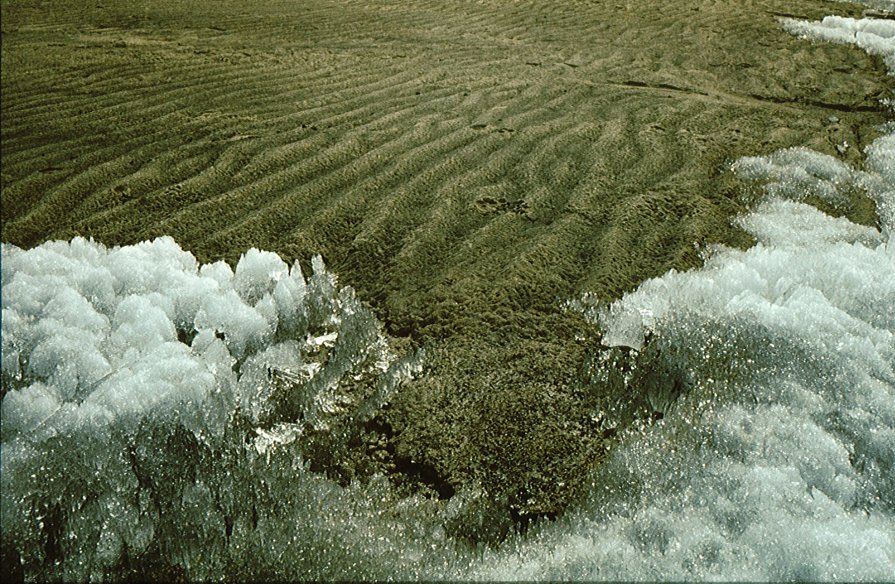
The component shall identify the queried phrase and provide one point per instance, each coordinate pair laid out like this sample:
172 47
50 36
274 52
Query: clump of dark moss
515 416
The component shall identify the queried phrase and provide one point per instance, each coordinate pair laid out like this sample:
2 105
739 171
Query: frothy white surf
153 410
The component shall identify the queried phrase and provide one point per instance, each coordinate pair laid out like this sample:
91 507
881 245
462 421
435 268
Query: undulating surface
467 168
447 158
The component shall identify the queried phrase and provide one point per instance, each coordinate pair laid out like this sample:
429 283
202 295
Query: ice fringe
131 378
778 459
778 463
874 35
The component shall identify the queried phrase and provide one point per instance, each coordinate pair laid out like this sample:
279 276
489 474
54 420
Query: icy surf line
154 411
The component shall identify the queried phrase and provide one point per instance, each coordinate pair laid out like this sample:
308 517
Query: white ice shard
124 368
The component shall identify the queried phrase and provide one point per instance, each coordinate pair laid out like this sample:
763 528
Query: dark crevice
424 474
870 13
51 536
405 471
11 569
663 86
839 107
524 521
186 336
783 14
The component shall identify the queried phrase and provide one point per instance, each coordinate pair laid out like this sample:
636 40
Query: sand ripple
464 165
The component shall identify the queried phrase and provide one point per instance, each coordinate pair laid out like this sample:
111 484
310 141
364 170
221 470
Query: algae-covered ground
466 166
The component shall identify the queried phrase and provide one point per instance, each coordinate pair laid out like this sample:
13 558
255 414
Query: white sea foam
154 410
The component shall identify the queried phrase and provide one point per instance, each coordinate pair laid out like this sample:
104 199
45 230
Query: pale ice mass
154 407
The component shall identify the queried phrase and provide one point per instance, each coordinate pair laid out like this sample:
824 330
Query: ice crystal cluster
774 368
871 34
153 410
139 386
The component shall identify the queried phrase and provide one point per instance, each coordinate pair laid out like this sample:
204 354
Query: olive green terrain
466 166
